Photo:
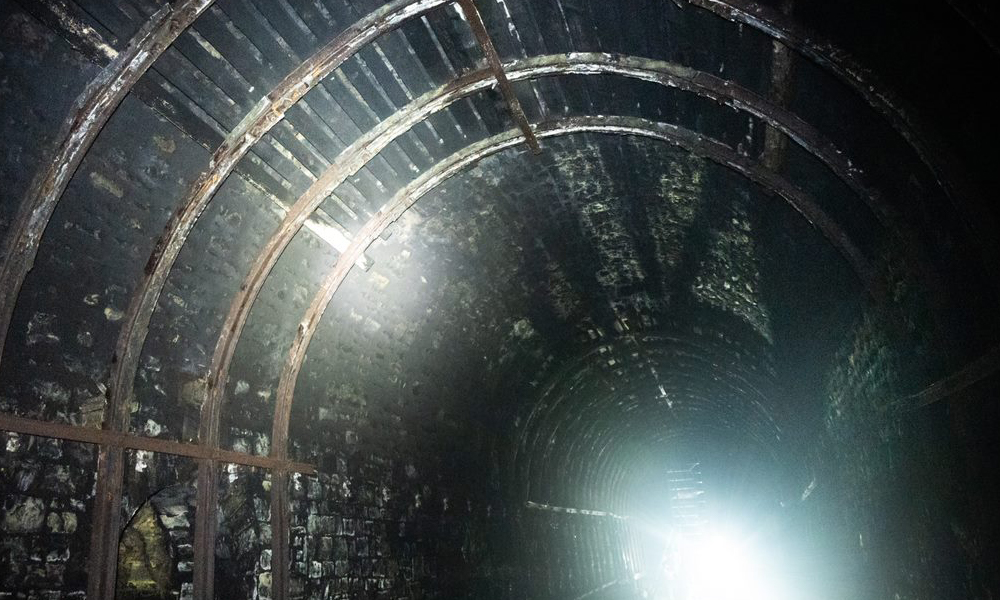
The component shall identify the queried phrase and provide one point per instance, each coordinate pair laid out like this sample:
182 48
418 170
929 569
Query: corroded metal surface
280 532
773 153
359 153
406 197
267 113
92 435
493 60
91 111
205 529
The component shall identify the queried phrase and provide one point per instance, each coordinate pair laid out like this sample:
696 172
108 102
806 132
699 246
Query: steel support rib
269 111
280 533
493 60
931 152
407 196
983 367
359 153
91 112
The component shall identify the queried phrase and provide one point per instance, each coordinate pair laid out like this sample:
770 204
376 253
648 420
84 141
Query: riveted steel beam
632 126
493 60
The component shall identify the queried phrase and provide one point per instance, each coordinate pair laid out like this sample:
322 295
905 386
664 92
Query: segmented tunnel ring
98 102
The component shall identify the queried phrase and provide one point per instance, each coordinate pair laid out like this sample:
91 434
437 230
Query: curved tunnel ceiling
554 245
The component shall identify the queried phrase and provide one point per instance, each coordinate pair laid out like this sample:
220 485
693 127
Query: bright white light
722 567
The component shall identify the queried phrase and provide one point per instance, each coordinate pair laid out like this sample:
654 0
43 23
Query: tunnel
499 299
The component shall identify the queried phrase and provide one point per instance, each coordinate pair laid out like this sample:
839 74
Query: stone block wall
44 530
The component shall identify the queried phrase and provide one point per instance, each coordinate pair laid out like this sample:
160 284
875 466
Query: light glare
722 567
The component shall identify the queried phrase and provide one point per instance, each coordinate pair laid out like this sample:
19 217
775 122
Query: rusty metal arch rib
369 145
938 159
90 113
408 195
105 94
630 126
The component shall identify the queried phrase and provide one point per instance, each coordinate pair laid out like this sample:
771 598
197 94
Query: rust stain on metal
268 112
407 196
357 155
773 154
281 527
107 525
352 159
117 439
475 21
205 529
91 111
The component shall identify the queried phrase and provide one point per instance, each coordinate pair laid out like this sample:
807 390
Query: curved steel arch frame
92 109
90 113
358 154
930 150
407 196
267 113
102 96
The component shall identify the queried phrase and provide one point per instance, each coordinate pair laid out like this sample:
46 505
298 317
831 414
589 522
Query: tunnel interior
512 299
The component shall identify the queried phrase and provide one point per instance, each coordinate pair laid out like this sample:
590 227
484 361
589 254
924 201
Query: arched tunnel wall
738 256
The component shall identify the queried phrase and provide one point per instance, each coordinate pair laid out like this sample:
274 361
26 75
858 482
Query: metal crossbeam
493 60
116 439
976 371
